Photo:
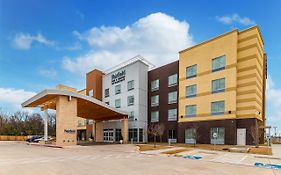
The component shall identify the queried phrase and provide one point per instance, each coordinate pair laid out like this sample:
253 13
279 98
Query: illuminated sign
118 77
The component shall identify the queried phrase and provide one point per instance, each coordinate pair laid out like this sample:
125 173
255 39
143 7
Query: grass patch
175 151
261 150
149 147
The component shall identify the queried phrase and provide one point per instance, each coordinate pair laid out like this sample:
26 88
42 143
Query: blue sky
43 43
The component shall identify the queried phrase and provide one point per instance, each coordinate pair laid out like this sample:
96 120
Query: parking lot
20 158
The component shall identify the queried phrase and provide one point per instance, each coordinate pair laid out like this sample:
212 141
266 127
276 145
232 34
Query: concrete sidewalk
276 150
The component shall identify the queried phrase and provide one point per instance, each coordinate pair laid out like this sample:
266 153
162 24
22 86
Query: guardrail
12 138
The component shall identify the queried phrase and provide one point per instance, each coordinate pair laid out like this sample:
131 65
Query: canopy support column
46 124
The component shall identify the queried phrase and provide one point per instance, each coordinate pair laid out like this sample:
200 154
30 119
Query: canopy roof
87 107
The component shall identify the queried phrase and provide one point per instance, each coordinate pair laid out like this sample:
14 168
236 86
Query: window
155 116
133 134
173 80
191 71
190 110
118 89
130 100
155 100
106 93
131 116
190 136
91 93
155 85
118 135
172 134
118 103
173 97
140 135
107 102
217 108
218 85
130 85
218 63
172 114
190 91
219 133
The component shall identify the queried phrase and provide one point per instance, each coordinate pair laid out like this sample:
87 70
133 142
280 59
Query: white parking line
243 158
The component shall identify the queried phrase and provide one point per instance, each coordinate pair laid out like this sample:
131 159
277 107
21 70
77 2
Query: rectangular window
217 136
155 85
131 100
218 63
218 85
130 85
118 103
190 110
173 97
131 116
191 71
106 93
190 136
155 100
217 108
118 134
140 135
172 115
190 91
172 134
173 80
118 89
155 116
133 134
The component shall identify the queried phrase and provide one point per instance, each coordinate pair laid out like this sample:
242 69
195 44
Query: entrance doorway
241 136
108 135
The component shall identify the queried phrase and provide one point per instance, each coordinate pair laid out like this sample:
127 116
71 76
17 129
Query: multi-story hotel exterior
163 100
222 89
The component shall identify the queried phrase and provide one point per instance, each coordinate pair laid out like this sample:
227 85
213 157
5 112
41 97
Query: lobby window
173 80
130 85
218 85
106 93
118 89
118 103
220 135
190 91
191 71
172 134
190 110
172 115
91 93
155 116
173 97
155 85
155 100
218 63
217 108
131 116
131 100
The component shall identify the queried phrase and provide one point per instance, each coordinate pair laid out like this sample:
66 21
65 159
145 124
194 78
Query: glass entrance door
108 135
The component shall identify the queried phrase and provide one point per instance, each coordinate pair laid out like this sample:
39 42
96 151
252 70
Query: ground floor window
217 135
190 136
133 134
118 135
108 135
172 134
140 135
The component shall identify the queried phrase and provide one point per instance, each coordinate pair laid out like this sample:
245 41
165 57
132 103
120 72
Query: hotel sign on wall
118 77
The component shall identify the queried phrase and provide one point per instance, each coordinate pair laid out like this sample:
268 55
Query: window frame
190 115
133 85
154 104
119 99
106 94
154 88
189 67
154 121
219 112
220 68
218 90
173 118
128 99
192 95
116 90
175 100
172 76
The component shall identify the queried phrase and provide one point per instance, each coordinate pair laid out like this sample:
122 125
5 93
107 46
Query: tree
253 134
156 130
195 133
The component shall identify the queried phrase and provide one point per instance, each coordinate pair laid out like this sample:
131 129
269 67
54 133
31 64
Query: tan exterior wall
99 132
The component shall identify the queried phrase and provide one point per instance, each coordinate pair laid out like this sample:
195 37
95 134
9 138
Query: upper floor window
173 80
172 114
218 85
155 85
118 103
155 116
155 100
91 93
118 89
130 85
131 100
191 71
172 97
190 110
190 91
218 63
131 116
217 108
106 93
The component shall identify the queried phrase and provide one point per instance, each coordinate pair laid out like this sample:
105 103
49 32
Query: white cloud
235 18
49 73
24 41
157 37
75 46
12 98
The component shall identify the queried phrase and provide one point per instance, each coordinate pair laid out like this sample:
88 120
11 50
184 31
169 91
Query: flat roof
87 107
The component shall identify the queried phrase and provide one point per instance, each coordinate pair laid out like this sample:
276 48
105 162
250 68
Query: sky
45 43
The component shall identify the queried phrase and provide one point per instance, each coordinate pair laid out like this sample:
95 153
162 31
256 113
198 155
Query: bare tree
156 130
253 134
195 133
